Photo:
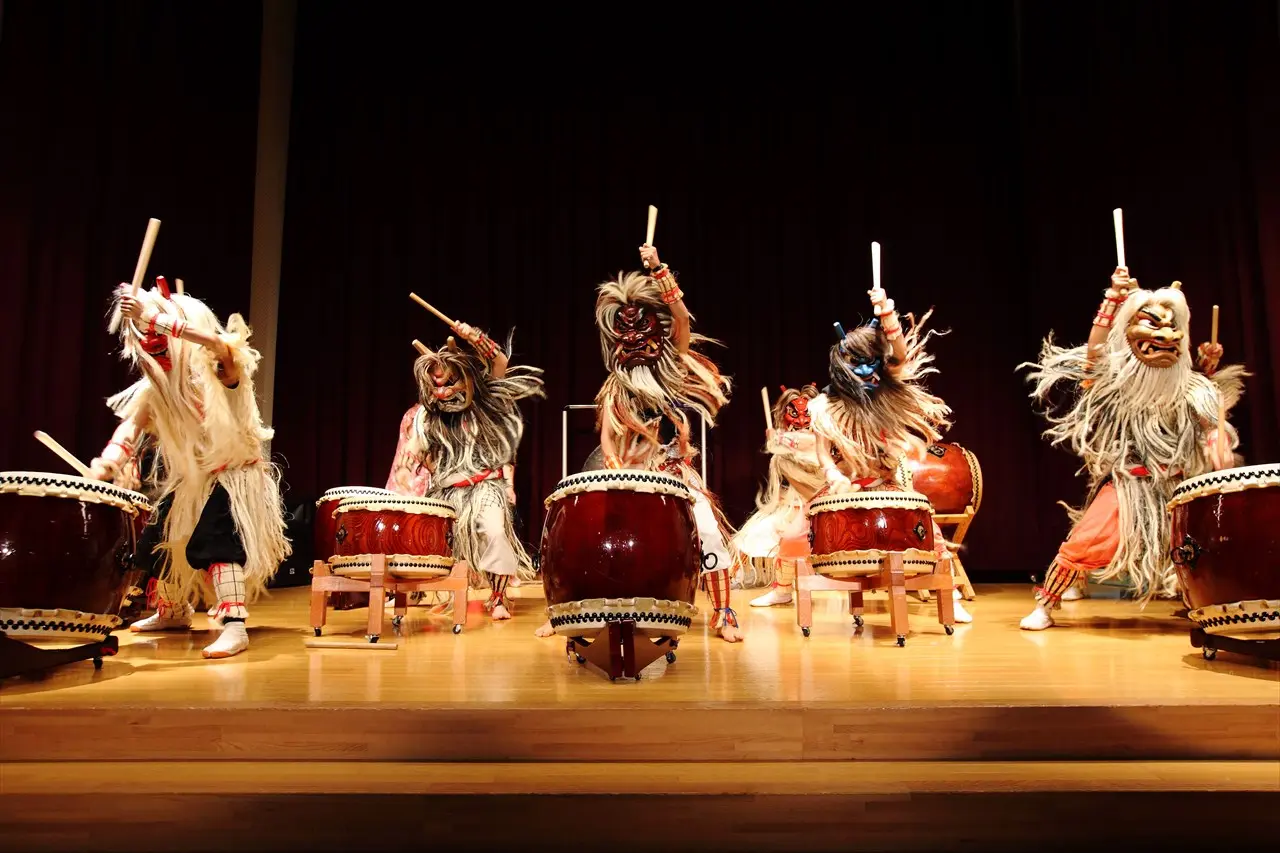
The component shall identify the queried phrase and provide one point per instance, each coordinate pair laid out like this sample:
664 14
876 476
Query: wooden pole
653 226
1117 216
47 440
144 257
768 410
420 347
875 265
425 304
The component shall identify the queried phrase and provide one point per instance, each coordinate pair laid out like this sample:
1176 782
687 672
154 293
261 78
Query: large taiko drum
850 534
415 534
326 543
1225 546
620 545
66 556
949 476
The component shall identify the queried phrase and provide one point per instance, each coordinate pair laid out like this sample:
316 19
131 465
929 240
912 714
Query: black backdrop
502 174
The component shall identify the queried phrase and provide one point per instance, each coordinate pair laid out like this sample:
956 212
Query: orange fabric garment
1094 540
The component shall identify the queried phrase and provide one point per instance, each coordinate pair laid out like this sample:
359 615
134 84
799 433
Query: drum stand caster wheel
950 629
457 629
317 630
805 630
580 659
857 621
902 641
97 663
373 638
1209 654
396 622
671 657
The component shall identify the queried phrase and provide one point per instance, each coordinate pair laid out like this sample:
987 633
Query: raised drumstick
768 410
425 304
1222 447
47 440
144 257
1118 216
653 226
181 289
875 265
420 347
1213 330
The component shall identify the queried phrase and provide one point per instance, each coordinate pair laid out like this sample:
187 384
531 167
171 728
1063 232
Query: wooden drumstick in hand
420 347
653 226
875 265
425 304
1118 216
768 410
181 289
144 257
47 440
1224 443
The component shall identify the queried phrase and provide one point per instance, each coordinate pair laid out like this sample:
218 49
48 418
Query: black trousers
214 540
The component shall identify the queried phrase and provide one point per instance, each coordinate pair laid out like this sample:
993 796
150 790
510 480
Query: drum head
39 484
870 500
353 492
397 503
1230 480
621 480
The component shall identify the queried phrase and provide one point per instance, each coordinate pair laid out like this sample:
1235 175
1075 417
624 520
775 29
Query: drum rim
585 482
420 561
87 484
915 500
397 503
1230 480
609 473
910 557
370 491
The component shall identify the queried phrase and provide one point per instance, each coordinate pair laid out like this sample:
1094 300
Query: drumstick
425 304
768 411
653 226
181 289
144 257
351 644
875 265
47 440
1118 216
1222 403
420 347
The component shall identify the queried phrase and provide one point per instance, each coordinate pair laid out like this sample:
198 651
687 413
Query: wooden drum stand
380 584
891 577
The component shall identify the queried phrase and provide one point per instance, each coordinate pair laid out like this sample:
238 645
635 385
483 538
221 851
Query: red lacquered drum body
850 534
620 545
66 556
1225 545
416 535
949 476
326 543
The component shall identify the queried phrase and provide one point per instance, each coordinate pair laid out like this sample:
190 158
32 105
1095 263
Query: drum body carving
850 534
1225 546
949 476
66 556
620 545
416 535
325 536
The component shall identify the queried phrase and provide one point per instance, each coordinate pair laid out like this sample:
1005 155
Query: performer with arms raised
1141 419
219 509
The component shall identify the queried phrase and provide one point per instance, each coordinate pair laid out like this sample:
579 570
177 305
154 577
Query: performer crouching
1142 419
877 410
461 448
219 509
795 476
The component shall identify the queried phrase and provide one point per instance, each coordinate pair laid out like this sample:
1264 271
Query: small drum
949 476
416 535
326 545
620 545
66 556
850 534
1225 546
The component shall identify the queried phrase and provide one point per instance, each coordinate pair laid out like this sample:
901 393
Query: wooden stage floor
971 740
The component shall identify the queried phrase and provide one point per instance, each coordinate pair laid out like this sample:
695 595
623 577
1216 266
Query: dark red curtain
984 145
111 113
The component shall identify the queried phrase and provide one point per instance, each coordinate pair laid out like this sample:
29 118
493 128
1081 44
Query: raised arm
486 346
122 449
681 330
835 477
175 327
882 305
1112 299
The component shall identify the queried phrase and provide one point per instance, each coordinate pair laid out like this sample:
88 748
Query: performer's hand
1209 356
130 307
649 256
1120 281
470 334
511 493
770 435
99 470
881 304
